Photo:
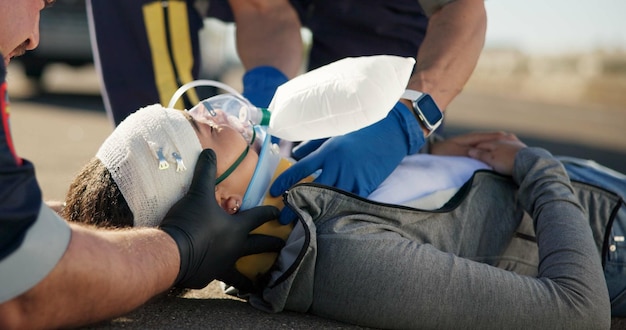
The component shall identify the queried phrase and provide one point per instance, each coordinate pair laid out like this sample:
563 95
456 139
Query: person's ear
232 204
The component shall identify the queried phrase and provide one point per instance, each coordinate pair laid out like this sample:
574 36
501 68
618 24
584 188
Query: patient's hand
499 154
461 144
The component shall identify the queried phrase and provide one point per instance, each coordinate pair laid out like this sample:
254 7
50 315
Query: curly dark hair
94 198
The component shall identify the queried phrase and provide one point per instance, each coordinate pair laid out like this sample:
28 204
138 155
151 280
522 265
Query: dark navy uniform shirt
20 197
350 28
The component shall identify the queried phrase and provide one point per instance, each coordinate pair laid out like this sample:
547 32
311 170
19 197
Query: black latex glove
210 240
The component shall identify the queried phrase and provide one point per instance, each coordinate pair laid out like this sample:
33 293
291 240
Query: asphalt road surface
60 131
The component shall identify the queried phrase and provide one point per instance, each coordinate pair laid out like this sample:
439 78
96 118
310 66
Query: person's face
19 26
228 144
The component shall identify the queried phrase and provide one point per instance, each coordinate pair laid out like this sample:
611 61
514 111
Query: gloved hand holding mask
359 161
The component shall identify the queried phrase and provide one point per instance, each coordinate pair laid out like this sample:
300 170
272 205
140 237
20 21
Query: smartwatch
425 108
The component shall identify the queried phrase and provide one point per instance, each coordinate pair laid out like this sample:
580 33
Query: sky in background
556 26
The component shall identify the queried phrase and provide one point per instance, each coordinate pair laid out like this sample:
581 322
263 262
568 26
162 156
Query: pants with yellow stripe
144 50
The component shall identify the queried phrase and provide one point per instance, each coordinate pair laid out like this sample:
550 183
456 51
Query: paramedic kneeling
58 275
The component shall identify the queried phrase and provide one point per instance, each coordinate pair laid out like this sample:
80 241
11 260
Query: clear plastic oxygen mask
226 109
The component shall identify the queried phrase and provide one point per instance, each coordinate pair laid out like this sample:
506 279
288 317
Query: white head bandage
151 156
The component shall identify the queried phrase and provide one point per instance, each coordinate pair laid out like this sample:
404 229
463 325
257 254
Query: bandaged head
151 156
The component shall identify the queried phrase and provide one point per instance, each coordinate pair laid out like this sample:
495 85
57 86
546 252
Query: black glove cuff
184 249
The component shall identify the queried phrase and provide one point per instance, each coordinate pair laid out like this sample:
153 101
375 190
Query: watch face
429 110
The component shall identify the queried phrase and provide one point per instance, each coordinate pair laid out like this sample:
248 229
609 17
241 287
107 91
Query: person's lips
19 51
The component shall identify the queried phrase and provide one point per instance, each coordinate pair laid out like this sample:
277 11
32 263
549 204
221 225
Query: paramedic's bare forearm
450 50
268 33
103 274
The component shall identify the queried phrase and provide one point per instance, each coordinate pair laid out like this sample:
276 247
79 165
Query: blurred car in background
64 38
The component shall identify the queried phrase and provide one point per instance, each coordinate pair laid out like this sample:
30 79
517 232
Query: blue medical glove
359 161
306 148
260 84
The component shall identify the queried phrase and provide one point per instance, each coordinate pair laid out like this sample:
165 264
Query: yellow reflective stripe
181 42
165 79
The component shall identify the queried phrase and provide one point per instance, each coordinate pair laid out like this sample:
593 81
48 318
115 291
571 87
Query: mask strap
232 167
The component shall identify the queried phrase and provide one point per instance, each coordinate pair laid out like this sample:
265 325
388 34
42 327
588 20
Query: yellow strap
164 73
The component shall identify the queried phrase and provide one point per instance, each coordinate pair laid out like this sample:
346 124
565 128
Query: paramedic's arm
108 273
101 275
450 50
268 34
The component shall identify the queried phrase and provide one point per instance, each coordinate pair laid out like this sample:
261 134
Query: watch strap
412 95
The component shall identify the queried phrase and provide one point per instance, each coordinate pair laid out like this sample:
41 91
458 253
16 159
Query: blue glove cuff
260 84
411 126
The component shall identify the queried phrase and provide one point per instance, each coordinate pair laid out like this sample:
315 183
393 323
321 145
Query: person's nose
33 41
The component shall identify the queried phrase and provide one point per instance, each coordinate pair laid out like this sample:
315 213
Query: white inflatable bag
339 98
